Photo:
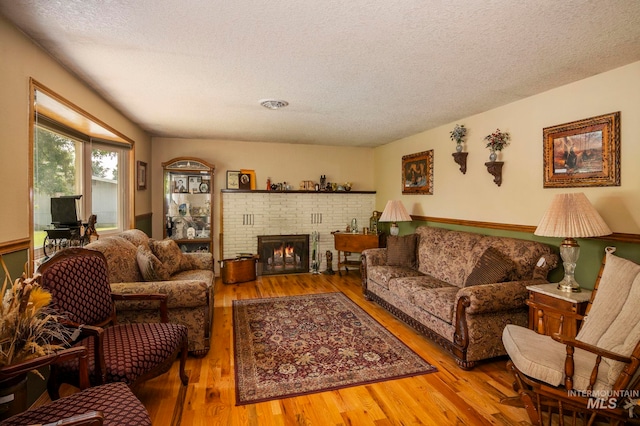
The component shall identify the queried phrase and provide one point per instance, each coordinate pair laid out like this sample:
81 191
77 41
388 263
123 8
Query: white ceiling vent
273 103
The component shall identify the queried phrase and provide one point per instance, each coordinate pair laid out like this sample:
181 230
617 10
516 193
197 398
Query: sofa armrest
180 294
201 260
496 297
375 256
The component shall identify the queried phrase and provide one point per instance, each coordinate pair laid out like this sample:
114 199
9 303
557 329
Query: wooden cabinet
547 305
346 243
188 203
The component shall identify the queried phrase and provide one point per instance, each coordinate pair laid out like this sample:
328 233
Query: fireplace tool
315 254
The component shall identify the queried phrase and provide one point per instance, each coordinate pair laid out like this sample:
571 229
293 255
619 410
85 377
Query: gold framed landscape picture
583 153
417 173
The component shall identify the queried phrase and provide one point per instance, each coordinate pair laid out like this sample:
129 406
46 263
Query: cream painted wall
281 162
522 199
21 59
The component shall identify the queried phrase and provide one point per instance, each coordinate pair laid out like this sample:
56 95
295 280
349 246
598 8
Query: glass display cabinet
188 203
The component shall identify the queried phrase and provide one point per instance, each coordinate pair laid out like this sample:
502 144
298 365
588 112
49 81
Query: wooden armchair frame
540 398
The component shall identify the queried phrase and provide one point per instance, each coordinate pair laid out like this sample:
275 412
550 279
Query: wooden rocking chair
595 376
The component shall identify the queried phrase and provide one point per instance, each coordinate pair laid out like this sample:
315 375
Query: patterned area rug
289 346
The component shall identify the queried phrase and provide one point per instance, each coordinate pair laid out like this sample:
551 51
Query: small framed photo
180 184
583 153
194 184
233 179
417 173
141 175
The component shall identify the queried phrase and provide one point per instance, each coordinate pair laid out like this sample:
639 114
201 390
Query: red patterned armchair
131 353
112 403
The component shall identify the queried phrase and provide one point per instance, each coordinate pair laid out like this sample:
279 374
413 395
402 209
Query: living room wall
22 60
521 199
281 162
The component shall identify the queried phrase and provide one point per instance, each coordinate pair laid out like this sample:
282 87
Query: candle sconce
461 159
495 169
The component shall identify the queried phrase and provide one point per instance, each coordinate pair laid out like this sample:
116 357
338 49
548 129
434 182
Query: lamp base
394 230
569 252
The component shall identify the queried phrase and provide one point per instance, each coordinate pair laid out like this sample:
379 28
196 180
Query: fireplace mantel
264 191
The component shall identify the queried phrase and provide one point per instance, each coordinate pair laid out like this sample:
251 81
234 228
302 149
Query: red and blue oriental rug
290 346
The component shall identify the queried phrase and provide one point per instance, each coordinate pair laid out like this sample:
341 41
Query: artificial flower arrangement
458 133
28 327
497 140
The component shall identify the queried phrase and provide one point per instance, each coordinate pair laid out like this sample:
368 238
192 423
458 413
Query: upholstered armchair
112 403
131 353
594 375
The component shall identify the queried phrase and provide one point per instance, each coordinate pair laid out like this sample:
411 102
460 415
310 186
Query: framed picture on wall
141 175
233 179
417 173
583 153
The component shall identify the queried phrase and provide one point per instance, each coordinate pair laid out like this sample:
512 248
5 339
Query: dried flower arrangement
497 140
28 327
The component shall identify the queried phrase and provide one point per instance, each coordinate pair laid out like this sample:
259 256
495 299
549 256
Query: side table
348 243
547 305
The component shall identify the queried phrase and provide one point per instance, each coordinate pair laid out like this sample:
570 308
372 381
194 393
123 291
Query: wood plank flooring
450 396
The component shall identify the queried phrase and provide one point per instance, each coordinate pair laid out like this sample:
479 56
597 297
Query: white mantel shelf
264 191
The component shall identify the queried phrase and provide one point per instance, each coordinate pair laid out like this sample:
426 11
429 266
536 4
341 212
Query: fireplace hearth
283 254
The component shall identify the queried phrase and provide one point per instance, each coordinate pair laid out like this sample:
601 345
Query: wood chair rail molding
14 246
616 236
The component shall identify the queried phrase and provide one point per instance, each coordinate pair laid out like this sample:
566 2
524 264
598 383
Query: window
80 159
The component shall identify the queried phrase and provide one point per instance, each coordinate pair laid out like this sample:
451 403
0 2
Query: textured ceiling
357 72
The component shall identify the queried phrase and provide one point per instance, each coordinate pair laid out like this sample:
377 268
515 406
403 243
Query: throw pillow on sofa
170 255
151 268
401 250
492 267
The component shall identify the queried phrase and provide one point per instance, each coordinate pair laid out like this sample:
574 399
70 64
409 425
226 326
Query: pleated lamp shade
394 211
571 216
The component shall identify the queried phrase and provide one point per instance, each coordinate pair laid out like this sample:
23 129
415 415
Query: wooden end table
347 243
547 305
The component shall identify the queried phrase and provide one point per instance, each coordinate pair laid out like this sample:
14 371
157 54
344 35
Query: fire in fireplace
283 254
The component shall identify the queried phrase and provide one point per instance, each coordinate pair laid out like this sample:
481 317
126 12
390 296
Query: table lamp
571 216
394 212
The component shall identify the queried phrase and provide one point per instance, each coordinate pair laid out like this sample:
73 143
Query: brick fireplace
283 254
249 214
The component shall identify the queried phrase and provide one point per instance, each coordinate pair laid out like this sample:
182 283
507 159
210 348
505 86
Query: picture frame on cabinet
194 184
180 184
233 179
583 153
141 175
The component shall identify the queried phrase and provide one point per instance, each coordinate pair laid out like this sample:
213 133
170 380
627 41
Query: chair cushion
131 350
492 267
427 293
170 255
401 251
151 268
383 274
540 357
613 322
116 401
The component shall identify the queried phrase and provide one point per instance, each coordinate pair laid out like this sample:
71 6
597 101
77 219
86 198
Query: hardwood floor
450 396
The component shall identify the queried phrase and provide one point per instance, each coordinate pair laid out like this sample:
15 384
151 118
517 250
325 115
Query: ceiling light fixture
273 103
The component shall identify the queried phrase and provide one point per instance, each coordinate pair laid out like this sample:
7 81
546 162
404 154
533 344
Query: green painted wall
144 224
591 250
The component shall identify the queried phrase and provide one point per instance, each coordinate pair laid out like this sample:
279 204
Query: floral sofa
139 264
458 288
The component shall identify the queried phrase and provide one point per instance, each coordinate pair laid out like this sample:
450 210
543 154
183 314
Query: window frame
116 139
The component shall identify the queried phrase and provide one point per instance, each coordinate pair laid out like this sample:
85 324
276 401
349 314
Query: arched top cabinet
188 203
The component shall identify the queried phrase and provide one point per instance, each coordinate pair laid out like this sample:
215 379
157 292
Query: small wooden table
547 305
348 243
